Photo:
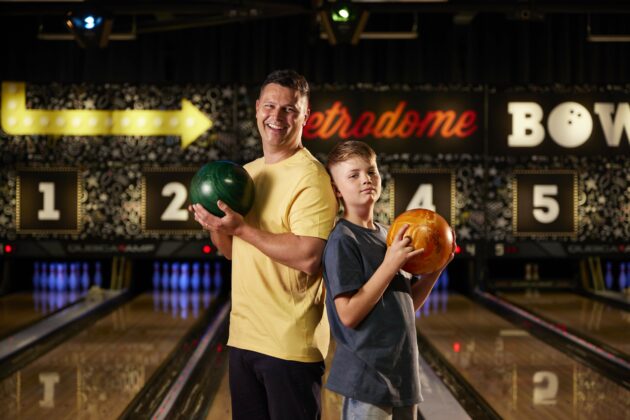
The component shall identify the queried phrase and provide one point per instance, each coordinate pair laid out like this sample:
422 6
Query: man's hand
230 224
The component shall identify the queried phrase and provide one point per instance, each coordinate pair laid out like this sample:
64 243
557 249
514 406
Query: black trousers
268 388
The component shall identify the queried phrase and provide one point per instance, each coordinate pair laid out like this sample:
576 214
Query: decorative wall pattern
111 166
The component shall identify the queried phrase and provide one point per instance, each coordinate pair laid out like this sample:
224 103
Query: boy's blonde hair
348 149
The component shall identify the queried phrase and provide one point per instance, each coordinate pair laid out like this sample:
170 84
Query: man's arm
302 253
223 243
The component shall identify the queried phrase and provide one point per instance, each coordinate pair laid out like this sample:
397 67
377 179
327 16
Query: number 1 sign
47 200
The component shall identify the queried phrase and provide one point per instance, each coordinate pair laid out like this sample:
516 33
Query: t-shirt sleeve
314 206
342 266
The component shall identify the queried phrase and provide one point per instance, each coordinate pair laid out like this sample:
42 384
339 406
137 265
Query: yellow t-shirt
275 308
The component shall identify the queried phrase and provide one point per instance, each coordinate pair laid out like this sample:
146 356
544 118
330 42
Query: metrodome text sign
423 122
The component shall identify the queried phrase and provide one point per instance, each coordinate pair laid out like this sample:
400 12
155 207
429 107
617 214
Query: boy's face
357 182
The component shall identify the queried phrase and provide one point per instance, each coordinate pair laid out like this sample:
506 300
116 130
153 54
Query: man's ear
306 115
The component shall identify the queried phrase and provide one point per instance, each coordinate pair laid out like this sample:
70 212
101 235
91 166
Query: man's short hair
289 79
348 149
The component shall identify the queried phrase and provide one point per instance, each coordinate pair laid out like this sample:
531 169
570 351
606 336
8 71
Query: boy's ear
336 190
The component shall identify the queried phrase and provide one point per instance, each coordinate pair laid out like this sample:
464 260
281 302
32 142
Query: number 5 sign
48 200
544 203
432 189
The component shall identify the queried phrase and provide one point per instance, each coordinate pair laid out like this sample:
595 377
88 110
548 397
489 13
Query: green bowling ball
226 181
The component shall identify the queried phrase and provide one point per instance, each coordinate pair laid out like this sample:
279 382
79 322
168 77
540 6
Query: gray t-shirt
377 361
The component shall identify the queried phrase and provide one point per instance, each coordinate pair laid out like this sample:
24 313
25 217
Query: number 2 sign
165 200
544 203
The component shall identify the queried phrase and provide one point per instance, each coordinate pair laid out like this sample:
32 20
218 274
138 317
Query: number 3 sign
544 203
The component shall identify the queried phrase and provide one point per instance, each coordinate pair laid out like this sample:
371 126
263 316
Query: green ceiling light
341 14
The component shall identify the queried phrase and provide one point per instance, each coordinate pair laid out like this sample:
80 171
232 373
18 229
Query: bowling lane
98 372
589 317
519 376
20 309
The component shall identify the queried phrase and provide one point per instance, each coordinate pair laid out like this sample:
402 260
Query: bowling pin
206 277
183 305
195 279
445 280
609 277
73 278
165 276
164 296
85 276
61 278
436 300
622 277
184 278
206 299
174 282
195 303
156 275
43 276
98 274
174 303
72 296
218 278
36 275
52 277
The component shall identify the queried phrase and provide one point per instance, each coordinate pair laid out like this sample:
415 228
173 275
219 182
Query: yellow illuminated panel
188 122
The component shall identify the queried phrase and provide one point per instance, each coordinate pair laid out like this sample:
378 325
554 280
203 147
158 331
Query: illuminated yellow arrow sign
189 122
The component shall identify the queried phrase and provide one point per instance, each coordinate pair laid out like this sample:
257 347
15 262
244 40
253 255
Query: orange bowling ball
427 230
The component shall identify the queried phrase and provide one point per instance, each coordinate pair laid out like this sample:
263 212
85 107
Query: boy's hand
400 251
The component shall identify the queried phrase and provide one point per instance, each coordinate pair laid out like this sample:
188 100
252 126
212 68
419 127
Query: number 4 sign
432 189
544 203
47 200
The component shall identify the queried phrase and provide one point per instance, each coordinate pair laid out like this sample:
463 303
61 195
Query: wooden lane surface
588 317
96 374
518 375
23 308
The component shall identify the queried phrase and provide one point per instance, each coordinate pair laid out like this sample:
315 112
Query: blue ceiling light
89 29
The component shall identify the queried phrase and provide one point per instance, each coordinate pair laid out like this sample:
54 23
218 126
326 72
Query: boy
371 305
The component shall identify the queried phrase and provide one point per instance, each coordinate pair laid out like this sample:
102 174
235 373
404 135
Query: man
277 294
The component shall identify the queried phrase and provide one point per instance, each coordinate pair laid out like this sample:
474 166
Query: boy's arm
353 307
422 287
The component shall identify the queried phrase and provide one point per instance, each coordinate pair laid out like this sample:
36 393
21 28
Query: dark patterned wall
111 166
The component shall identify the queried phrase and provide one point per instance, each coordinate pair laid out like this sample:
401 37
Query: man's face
357 182
281 113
